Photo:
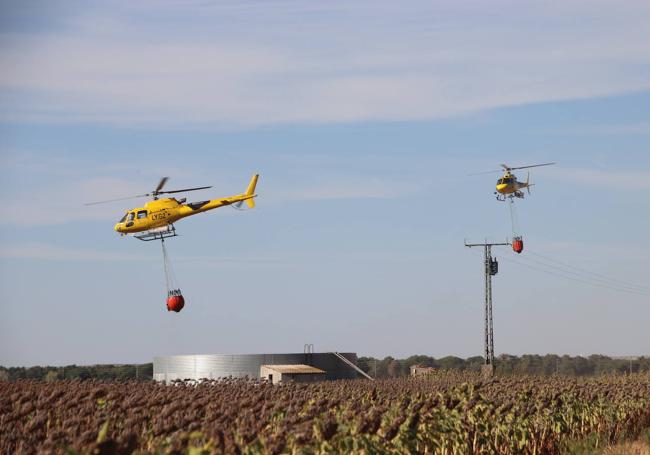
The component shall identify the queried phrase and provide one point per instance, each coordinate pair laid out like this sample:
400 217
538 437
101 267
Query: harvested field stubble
442 414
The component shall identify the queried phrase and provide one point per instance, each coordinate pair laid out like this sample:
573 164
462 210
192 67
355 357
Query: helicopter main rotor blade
532 165
184 190
485 172
508 168
154 193
160 185
118 199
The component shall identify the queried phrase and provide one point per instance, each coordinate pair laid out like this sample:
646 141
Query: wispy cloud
57 253
236 65
53 190
348 187
609 179
50 252
63 202
566 251
610 129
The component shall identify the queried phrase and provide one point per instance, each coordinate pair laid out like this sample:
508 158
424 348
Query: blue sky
363 120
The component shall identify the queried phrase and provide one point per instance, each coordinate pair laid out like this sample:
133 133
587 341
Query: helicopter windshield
123 218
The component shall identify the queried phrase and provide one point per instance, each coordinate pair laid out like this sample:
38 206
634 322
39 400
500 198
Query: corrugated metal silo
216 366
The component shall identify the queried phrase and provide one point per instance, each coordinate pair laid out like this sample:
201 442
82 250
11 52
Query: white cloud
347 187
611 129
63 202
227 66
52 191
609 179
56 253
50 252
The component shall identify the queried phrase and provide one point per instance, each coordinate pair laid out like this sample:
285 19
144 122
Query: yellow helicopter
156 219
508 186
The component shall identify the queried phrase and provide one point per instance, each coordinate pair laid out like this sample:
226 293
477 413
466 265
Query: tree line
505 364
107 372
388 367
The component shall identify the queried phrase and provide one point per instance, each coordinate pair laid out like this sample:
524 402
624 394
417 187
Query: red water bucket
175 302
517 245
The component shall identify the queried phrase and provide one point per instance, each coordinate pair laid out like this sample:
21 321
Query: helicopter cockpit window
123 218
131 216
142 214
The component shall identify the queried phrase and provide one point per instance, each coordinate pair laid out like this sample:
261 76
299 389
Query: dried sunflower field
445 413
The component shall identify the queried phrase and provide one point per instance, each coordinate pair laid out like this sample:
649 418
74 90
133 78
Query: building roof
294 369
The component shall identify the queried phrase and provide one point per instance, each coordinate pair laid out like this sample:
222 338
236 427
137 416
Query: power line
592 281
588 272
586 278
580 280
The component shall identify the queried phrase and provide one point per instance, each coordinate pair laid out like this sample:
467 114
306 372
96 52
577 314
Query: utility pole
491 268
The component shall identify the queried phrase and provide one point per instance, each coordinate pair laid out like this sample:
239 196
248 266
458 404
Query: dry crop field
441 414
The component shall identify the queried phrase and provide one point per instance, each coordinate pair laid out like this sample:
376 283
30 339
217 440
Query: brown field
629 448
445 413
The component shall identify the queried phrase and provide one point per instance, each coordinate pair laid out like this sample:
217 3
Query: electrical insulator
494 267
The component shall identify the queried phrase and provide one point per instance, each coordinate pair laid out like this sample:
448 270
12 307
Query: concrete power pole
491 268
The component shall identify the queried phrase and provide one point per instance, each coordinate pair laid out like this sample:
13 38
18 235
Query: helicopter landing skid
511 196
157 234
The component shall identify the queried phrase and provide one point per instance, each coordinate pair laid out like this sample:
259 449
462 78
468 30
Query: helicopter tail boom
203 206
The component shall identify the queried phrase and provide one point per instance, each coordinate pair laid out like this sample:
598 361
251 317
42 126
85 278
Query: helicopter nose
118 227
501 187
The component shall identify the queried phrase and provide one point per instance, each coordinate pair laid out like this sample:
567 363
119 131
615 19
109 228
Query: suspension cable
514 221
561 273
596 276
165 260
584 280
583 277
170 277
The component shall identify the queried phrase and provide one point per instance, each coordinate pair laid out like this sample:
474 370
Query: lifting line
514 221
170 278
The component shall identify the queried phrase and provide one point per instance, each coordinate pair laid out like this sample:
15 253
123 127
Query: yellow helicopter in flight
156 219
508 186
